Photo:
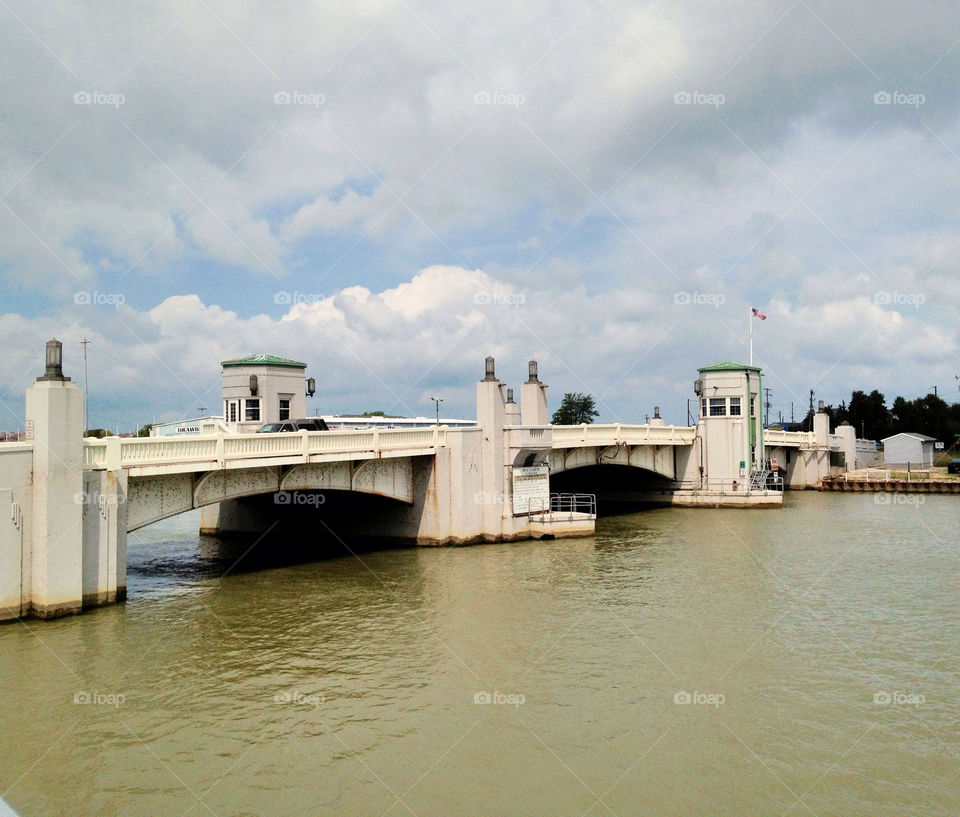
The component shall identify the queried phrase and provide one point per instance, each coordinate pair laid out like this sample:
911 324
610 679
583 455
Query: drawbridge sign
531 489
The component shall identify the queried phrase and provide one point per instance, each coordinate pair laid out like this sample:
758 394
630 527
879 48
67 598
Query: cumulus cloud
249 177
633 349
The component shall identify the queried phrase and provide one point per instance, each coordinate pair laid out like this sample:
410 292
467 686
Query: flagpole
750 318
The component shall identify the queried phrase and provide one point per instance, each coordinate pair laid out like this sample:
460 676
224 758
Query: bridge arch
653 458
152 498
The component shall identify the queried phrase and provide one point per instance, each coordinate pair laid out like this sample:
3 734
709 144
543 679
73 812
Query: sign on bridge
531 489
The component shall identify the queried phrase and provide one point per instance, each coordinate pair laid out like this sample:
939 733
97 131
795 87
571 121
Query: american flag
758 314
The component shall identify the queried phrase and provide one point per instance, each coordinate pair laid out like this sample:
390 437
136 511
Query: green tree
868 414
99 433
145 430
377 413
575 409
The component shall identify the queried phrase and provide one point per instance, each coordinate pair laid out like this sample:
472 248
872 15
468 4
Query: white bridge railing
800 439
116 452
613 433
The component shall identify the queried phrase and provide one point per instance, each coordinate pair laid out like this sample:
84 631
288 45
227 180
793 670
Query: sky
390 191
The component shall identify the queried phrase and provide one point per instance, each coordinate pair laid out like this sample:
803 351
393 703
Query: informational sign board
531 489
188 429
28 430
938 446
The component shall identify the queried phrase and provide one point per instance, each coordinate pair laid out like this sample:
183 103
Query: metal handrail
558 504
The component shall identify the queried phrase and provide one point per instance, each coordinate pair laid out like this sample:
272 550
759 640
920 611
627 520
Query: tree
377 413
869 415
575 409
145 430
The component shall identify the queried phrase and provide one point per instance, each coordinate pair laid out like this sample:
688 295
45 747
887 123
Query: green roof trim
729 366
264 360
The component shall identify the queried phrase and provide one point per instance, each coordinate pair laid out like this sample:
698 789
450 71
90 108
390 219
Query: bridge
67 503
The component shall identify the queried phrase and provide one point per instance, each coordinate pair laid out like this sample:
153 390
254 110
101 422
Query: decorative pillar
533 399
54 412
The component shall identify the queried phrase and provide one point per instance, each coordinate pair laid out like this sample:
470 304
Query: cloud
633 349
595 160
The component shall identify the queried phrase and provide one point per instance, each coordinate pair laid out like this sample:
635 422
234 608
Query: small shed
908 447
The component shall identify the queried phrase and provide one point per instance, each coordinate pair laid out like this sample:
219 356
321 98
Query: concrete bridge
67 503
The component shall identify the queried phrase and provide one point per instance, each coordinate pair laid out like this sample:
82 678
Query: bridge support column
104 501
54 409
491 416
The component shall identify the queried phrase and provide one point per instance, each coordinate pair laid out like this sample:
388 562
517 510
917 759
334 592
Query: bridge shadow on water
619 488
333 526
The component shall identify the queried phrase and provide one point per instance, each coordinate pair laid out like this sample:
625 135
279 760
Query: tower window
718 406
735 406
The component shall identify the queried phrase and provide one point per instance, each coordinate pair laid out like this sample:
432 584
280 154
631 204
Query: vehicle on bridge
306 424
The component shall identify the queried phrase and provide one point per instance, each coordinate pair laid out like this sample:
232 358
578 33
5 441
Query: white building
730 427
908 447
262 389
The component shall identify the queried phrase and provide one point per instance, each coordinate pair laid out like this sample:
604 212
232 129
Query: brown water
347 687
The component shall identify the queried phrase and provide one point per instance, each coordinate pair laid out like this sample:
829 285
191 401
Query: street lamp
438 401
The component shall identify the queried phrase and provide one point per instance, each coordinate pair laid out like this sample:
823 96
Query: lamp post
438 401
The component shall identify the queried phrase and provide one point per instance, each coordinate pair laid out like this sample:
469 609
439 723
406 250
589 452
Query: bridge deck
614 433
169 455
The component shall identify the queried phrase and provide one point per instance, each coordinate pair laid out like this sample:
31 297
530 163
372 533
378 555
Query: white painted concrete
55 408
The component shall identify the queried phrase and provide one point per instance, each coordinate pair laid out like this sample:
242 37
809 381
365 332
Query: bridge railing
777 436
612 433
116 452
528 436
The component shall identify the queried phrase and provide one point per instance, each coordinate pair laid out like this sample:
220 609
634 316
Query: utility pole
791 413
934 390
86 388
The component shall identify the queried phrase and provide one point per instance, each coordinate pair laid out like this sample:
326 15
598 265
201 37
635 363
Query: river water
681 662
